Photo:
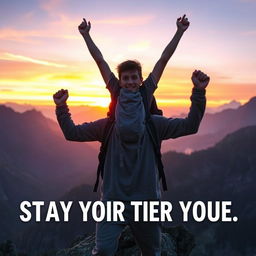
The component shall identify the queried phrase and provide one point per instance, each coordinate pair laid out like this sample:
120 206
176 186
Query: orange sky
42 51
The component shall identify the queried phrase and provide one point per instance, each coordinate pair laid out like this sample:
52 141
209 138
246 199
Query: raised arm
182 25
84 29
177 127
92 131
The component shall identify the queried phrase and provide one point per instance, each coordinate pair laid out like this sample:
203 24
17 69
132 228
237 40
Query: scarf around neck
130 116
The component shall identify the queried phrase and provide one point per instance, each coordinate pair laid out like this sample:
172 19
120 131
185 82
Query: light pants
147 235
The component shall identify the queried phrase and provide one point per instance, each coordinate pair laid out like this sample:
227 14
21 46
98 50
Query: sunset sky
42 51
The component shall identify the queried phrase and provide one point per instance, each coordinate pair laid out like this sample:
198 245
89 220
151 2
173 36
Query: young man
130 169
129 72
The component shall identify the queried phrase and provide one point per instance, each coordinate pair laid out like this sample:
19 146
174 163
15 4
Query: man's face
131 80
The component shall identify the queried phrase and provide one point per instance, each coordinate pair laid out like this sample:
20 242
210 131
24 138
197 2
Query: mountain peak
252 101
239 139
5 109
33 113
250 105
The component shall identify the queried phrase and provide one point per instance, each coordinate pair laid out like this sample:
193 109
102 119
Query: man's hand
182 23
60 97
200 79
84 27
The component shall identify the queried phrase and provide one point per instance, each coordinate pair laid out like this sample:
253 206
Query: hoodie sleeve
113 85
177 127
151 86
92 131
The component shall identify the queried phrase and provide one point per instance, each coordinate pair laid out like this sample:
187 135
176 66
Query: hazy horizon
42 50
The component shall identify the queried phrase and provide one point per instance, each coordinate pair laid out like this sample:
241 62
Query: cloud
29 16
6 90
249 32
28 36
50 5
139 46
65 22
14 57
224 77
131 21
62 26
67 77
18 35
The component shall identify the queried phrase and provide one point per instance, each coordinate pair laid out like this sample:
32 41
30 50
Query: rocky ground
176 241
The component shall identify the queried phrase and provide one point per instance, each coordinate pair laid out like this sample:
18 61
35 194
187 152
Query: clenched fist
200 79
60 97
84 27
182 23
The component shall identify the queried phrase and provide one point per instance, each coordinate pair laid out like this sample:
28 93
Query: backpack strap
154 137
103 151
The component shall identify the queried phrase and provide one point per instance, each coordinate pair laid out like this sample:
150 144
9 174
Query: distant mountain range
80 114
226 171
214 127
36 146
37 163
15 186
216 124
85 113
230 105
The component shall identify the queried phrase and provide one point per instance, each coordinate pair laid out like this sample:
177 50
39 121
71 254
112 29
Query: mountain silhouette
37 163
35 145
226 171
46 236
214 127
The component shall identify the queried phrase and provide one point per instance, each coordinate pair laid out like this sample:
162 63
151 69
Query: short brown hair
129 65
